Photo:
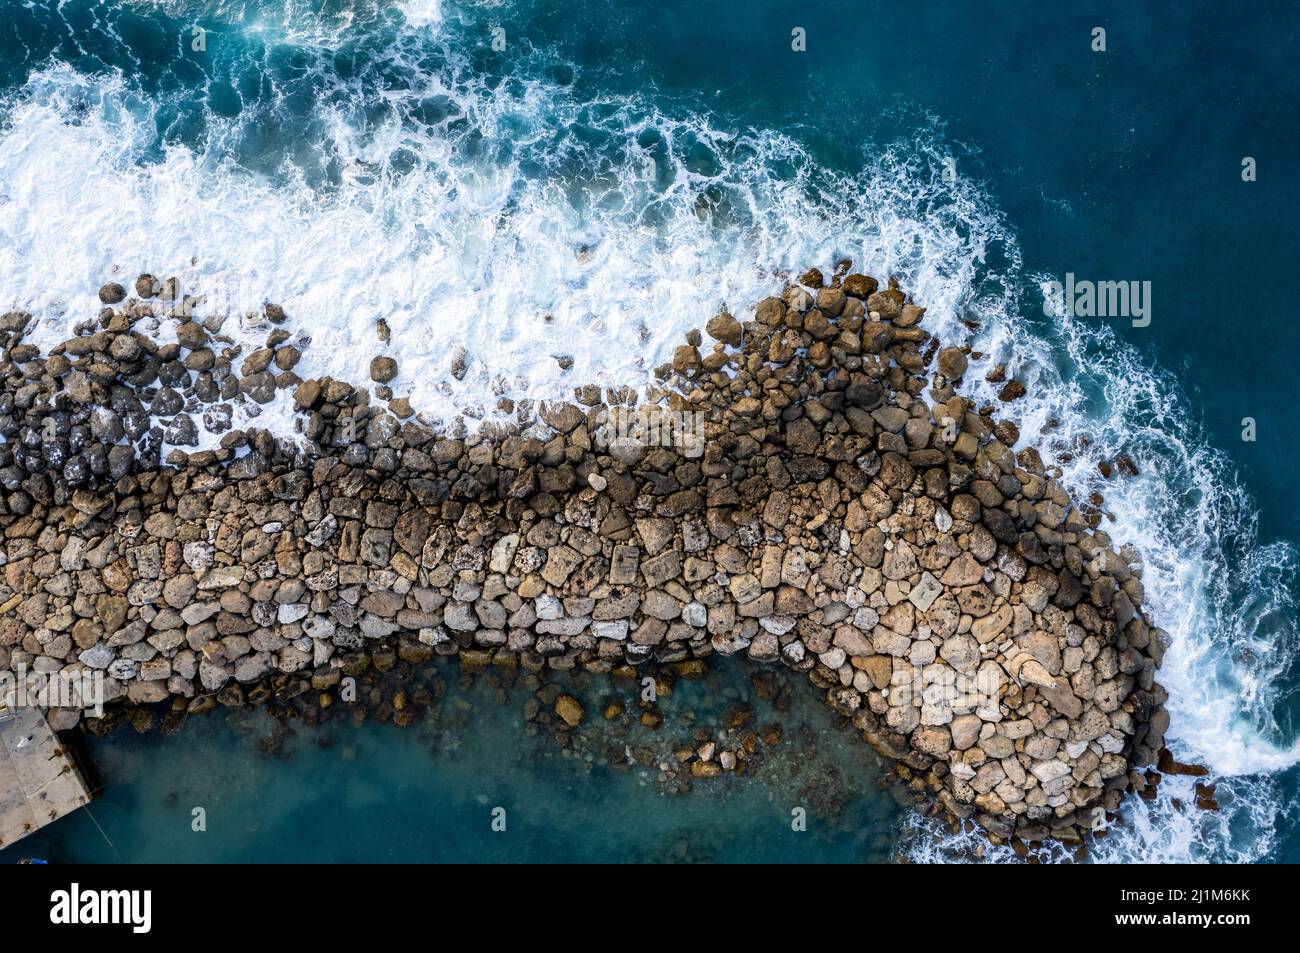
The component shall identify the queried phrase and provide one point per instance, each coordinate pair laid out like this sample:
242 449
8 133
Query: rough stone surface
846 515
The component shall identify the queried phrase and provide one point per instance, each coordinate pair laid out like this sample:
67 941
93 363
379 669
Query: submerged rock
570 710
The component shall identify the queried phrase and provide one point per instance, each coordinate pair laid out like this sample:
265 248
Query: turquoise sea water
342 793
626 166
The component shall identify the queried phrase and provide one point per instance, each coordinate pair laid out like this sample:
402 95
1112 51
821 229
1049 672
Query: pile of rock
847 514
110 398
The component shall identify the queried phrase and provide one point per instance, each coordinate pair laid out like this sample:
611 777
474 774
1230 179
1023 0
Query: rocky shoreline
810 491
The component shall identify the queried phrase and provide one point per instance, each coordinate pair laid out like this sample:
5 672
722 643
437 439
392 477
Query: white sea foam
493 230
301 22
605 258
422 13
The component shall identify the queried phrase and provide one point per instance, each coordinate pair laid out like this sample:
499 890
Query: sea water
469 782
512 183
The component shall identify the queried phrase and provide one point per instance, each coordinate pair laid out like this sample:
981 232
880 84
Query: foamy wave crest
1165 830
422 13
303 22
494 229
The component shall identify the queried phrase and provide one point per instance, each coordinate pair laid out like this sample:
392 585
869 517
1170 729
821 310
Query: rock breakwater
810 490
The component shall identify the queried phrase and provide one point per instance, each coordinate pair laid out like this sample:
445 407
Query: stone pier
39 782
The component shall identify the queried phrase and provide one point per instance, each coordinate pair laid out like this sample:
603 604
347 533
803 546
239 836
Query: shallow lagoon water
338 793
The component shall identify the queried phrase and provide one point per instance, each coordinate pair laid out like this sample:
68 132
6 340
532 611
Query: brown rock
723 327
952 363
570 710
859 286
1011 390
112 293
383 369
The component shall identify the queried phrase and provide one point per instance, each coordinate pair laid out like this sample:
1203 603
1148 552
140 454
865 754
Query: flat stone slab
39 783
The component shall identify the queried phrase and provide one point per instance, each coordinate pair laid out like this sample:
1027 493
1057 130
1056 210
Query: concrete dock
39 781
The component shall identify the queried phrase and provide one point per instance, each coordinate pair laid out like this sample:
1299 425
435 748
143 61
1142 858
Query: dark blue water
688 142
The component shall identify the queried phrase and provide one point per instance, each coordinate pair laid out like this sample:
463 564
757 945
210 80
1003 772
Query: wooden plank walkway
39 782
